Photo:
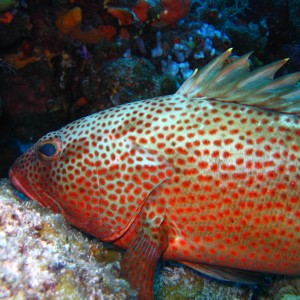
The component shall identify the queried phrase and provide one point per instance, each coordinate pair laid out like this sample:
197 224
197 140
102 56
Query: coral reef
286 289
19 61
62 47
69 20
127 79
173 11
179 283
6 68
253 36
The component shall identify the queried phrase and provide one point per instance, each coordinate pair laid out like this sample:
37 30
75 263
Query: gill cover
118 185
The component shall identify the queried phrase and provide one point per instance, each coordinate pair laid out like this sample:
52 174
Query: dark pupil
48 150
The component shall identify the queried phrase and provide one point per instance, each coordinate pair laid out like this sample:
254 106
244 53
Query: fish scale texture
229 177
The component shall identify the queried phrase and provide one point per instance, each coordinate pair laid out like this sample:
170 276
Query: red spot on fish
203 164
217 142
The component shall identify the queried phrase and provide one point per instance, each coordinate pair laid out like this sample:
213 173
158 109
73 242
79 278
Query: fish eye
49 150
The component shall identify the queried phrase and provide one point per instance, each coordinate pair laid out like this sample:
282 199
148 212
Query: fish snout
16 182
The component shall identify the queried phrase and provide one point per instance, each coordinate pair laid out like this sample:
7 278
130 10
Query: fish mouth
34 194
18 185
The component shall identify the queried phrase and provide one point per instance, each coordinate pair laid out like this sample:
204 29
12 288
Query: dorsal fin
235 83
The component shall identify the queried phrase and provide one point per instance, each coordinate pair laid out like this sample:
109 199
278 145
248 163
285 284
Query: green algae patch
105 254
179 284
285 289
68 288
8 4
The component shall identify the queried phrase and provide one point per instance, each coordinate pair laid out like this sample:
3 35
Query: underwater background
61 60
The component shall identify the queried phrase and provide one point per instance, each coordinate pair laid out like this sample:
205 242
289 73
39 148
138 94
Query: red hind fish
208 176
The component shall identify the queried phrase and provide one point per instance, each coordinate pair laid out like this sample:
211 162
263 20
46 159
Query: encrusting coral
70 23
69 20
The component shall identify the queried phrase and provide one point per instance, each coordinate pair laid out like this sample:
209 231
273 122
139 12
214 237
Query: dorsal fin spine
205 75
235 83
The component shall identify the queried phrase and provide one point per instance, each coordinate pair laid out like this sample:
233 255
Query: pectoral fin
139 263
228 274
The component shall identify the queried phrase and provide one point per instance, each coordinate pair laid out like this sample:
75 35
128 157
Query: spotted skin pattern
192 180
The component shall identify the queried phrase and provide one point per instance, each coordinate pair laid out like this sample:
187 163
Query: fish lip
17 184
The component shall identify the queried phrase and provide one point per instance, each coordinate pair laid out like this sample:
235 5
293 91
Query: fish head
97 180
31 171
64 171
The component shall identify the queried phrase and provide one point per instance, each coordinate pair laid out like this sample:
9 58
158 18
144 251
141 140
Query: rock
122 80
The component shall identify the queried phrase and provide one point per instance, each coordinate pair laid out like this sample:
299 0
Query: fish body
233 196
190 177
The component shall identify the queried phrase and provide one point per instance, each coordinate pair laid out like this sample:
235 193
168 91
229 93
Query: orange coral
69 23
124 15
141 10
6 18
82 101
49 55
107 31
174 10
69 20
93 36
124 34
19 61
